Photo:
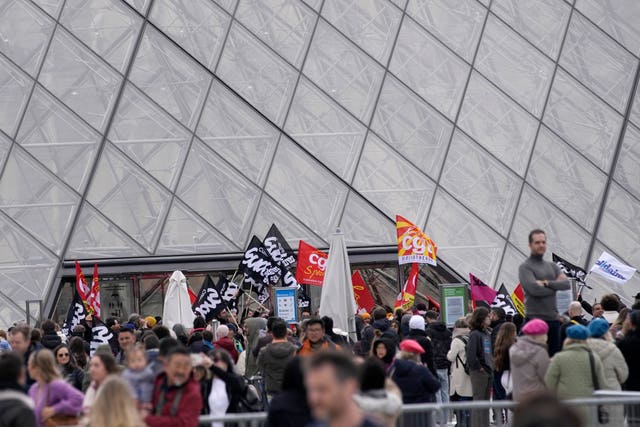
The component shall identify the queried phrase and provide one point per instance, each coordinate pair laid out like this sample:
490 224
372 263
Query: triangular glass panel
235 131
58 139
186 233
270 212
15 86
37 200
52 7
218 193
362 225
130 198
27 268
5 145
170 77
150 136
94 236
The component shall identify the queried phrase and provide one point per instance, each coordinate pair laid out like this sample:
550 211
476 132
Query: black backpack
465 340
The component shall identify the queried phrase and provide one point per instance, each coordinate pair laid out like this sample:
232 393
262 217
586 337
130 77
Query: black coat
441 340
51 341
630 348
427 357
288 409
15 409
235 388
416 382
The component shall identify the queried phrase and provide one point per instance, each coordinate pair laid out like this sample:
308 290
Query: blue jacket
417 383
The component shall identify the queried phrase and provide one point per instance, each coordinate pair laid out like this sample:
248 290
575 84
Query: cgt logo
417 243
318 260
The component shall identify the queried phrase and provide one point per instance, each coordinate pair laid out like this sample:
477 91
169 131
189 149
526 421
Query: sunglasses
63 354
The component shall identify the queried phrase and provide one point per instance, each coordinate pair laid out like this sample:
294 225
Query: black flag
570 270
503 301
258 265
279 249
229 292
77 312
101 335
304 301
209 302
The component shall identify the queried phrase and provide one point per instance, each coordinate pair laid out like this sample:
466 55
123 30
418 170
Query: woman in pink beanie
529 360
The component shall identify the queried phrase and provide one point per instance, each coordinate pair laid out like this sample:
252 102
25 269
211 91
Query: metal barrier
429 414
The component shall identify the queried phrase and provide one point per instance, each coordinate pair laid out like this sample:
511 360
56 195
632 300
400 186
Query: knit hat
598 327
151 321
577 332
535 327
411 346
416 322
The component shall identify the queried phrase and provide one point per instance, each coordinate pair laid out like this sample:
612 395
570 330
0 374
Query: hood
391 349
522 351
438 326
601 347
382 325
403 367
379 401
281 350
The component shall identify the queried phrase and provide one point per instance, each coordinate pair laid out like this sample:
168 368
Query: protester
574 371
16 408
540 281
383 325
253 326
501 365
611 305
20 341
223 341
181 334
176 394
416 382
196 340
575 318
383 350
315 339
440 336
52 397
379 397
529 360
545 410
50 338
101 365
616 328
236 337
615 370
126 339
290 408
480 363
274 358
332 381
77 350
460 382
418 333
226 387
139 375
630 348
113 406
70 371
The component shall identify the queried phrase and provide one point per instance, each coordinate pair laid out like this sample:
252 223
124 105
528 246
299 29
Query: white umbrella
337 300
177 304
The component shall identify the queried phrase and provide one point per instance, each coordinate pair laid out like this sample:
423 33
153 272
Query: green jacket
569 373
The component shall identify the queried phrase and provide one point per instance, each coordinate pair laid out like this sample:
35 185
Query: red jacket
188 410
227 344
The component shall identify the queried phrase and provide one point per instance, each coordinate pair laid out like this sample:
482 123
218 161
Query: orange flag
413 245
407 297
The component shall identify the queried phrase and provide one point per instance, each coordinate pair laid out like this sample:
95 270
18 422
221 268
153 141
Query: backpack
250 399
465 340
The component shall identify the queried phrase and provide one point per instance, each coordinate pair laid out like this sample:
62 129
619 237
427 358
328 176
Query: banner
76 313
304 301
480 292
279 249
229 292
361 292
408 295
413 245
503 301
101 335
610 268
93 299
209 302
258 264
517 297
312 264
81 287
570 270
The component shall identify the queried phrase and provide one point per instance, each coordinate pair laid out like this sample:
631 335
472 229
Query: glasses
63 354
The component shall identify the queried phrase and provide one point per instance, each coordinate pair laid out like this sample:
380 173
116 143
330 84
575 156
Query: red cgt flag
407 297
312 264
361 292
93 300
81 285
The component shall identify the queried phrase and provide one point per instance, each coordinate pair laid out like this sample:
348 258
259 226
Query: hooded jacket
391 351
460 381
529 362
630 348
272 361
427 358
381 405
441 340
416 382
51 341
613 363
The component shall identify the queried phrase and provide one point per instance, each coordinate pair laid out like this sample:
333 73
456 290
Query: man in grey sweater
540 281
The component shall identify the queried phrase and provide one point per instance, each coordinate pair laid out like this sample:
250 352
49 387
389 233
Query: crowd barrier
432 414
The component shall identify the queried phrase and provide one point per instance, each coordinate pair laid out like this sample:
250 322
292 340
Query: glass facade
175 127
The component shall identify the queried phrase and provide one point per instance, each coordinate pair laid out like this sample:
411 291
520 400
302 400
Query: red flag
413 245
408 295
361 293
312 264
433 304
480 291
93 300
518 299
81 286
192 295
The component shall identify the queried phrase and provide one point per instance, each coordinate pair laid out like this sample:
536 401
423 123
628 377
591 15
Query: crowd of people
310 374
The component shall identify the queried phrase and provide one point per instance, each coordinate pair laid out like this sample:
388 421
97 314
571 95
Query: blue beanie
577 332
598 327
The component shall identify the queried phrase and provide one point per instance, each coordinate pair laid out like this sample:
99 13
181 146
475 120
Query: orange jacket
307 350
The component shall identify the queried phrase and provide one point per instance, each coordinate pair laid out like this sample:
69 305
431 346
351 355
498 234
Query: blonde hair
46 364
113 406
405 355
136 348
